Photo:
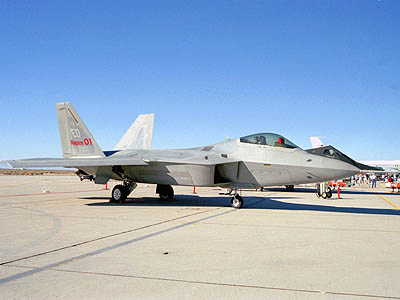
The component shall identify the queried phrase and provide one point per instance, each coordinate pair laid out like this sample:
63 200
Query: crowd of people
371 179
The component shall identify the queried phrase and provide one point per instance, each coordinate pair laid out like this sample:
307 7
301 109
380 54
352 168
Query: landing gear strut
121 191
166 192
237 201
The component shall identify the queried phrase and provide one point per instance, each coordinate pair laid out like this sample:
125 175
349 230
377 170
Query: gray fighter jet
253 161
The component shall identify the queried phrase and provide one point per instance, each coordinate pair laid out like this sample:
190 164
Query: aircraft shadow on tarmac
266 203
346 191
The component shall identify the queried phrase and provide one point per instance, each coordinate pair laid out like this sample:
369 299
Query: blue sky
207 69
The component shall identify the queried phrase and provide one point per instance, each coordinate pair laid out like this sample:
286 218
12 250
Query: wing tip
7 162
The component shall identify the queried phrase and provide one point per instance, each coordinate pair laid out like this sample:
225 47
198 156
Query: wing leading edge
73 162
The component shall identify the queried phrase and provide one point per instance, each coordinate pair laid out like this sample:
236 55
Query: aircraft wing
74 162
187 157
113 161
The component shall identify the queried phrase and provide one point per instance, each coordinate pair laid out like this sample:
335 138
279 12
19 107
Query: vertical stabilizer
316 142
139 135
76 139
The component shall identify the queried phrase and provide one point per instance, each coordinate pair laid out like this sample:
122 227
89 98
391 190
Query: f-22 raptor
253 161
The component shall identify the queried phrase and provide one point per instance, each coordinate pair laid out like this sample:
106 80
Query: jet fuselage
230 163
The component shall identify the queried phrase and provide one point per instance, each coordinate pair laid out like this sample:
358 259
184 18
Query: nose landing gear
323 190
237 201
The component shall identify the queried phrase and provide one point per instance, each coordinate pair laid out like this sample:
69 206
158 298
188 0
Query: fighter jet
253 161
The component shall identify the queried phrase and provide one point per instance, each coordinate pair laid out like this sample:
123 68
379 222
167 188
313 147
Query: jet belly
260 174
173 174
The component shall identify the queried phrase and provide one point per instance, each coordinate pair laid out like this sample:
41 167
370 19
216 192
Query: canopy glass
270 139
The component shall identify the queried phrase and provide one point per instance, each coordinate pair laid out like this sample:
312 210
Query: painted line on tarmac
234 285
116 246
387 200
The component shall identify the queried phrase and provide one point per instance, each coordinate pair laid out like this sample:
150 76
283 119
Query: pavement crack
106 236
109 248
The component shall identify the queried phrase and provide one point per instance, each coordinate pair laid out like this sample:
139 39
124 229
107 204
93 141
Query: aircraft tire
324 195
166 192
237 202
119 194
329 194
289 188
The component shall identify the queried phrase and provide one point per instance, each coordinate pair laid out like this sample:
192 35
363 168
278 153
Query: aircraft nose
340 169
349 170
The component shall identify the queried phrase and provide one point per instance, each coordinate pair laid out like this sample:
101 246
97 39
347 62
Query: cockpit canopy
269 139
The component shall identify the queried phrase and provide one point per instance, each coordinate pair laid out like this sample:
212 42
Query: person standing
373 180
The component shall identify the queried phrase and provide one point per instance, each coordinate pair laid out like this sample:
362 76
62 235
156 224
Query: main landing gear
289 188
237 201
166 192
121 191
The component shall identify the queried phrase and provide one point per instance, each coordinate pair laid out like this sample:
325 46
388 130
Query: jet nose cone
340 169
349 171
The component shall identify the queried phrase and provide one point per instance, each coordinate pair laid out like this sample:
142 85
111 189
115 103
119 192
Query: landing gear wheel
166 192
119 193
324 195
237 201
289 188
164 197
328 192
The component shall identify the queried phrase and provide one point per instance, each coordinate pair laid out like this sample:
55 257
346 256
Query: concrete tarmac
70 242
